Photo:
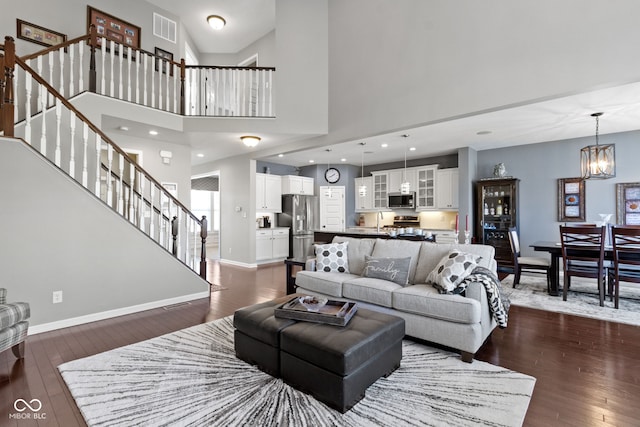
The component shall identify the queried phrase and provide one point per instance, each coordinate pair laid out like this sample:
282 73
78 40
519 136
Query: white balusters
80 68
160 64
152 231
58 142
120 65
120 188
41 91
98 165
109 176
72 148
71 65
51 61
43 105
268 90
153 80
27 126
132 176
176 94
61 90
143 57
141 204
112 61
85 146
129 57
103 81
138 77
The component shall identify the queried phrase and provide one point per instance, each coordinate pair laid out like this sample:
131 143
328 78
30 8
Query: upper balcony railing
100 64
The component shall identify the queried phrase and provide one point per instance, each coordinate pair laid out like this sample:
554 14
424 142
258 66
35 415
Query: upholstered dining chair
583 255
526 263
626 258
13 324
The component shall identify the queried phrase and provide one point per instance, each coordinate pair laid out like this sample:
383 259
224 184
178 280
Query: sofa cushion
324 283
367 289
391 248
432 253
356 251
332 257
392 269
452 269
425 300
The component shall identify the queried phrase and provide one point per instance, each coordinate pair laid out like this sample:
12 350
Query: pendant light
405 187
327 191
362 189
598 161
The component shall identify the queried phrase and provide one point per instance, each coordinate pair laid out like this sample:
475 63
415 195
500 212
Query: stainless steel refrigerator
301 214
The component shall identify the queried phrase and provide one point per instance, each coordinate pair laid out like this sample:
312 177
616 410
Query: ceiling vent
164 28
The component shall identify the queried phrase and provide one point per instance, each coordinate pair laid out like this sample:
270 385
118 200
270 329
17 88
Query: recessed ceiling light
124 128
280 155
412 149
153 132
384 145
199 155
216 22
483 132
312 161
343 160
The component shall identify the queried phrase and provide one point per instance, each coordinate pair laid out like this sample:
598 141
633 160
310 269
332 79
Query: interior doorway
332 208
205 201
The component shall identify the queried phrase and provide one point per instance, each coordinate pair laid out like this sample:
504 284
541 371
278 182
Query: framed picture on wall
37 34
117 29
166 58
571 203
628 203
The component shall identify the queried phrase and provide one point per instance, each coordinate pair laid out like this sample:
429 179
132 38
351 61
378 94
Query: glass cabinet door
426 193
380 192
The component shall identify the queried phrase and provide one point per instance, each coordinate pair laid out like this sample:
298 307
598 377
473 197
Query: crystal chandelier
598 161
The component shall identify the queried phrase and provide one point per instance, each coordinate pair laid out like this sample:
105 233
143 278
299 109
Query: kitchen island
321 237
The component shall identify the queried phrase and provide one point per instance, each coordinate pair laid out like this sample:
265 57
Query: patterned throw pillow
452 269
392 269
332 257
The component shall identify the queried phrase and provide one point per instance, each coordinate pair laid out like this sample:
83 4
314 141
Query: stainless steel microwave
399 200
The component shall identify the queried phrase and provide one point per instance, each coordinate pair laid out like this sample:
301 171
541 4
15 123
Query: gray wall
538 166
60 237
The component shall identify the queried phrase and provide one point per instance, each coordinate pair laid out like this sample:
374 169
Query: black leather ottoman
257 335
336 364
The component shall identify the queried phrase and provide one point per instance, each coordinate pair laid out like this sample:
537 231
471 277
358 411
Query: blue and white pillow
332 257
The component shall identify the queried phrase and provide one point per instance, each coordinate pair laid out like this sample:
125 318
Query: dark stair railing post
183 75
203 248
174 233
93 41
7 116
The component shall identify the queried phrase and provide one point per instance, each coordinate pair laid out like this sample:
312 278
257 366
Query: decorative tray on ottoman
332 313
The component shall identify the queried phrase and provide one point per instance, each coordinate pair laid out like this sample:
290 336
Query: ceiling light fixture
405 187
250 141
200 155
216 22
598 161
280 155
123 128
384 145
362 189
153 132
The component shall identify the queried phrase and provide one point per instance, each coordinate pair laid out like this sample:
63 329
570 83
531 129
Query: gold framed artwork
37 34
628 203
571 203
117 29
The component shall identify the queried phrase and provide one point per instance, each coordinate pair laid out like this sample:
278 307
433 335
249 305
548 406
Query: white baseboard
237 263
80 320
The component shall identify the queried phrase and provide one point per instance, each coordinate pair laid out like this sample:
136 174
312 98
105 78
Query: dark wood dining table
555 249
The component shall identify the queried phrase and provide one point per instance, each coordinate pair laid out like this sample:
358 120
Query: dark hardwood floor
587 370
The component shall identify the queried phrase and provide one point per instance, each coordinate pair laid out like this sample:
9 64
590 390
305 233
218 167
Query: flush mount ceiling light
250 141
598 161
216 22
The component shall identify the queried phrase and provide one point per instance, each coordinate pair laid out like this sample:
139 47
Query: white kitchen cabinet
426 187
447 188
397 177
380 189
268 193
272 244
364 203
294 184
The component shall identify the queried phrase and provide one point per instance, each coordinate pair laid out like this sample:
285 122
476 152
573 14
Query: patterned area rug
582 299
192 377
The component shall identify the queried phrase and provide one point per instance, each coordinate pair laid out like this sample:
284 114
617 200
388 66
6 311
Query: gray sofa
456 321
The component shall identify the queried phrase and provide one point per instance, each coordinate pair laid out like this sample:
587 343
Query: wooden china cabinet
496 212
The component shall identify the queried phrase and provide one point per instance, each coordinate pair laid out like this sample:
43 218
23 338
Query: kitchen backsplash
432 220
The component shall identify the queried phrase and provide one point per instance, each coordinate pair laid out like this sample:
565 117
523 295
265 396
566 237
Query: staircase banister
230 67
54 48
97 130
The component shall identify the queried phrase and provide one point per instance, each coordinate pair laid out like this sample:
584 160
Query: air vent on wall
164 28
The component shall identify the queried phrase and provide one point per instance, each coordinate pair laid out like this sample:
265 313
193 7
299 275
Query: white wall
58 236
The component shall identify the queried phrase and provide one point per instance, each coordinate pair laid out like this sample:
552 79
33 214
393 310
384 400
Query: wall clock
332 175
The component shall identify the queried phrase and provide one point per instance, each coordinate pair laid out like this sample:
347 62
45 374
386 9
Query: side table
291 281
